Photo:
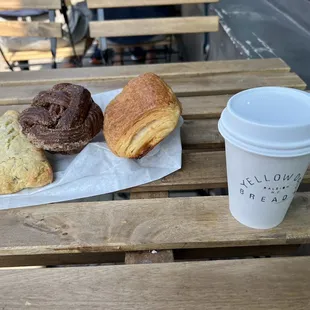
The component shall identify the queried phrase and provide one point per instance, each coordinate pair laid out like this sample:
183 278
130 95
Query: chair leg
24 65
151 55
119 55
122 56
170 49
52 16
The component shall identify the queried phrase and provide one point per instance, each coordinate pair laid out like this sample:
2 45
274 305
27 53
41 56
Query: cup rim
287 147
258 89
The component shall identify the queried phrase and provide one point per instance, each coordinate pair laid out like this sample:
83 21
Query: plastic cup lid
270 121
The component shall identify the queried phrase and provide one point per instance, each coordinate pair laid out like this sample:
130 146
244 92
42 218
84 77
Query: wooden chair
50 30
148 26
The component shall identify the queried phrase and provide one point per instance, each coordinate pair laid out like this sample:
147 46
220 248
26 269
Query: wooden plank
199 170
139 225
164 70
153 26
153 256
30 29
271 283
201 134
193 108
94 4
34 55
29 4
183 86
19 108
203 107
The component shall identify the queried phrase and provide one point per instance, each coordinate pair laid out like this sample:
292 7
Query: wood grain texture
29 4
153 26
193 108
201 134
140 225
198 107
164 70
186 86
153 256
18 108
94 4
62 52
30 29
199 170
272 283
203 107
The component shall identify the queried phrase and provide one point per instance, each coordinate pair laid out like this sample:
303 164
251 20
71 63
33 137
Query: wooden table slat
136 225
164 70
29 4
151 256
153 26
201 135
198 107
94 4
202 107
30 29
271 283
183 86
199 170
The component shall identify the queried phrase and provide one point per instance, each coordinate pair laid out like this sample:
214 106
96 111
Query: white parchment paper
96 170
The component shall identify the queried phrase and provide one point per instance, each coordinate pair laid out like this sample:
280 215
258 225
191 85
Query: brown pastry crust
22 164
63 119
141 116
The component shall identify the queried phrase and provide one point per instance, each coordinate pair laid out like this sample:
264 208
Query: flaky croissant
141 116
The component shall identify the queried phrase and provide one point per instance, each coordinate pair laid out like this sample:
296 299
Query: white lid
270 121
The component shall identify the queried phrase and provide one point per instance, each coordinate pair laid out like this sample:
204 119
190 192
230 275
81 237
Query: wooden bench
51 30
156 252
30 29
147 26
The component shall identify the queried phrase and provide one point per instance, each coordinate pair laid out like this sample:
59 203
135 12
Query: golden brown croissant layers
63 119
141 116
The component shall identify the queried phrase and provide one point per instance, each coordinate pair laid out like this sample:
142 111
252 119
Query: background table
206 257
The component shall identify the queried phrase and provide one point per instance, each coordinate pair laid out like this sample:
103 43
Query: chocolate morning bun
62 120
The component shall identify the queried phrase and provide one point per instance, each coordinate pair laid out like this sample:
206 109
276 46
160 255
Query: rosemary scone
22 165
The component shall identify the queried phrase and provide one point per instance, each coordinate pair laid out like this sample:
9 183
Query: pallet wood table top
151 240
135 225
270 283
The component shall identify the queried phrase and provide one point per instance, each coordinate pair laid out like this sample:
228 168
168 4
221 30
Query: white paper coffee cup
267 140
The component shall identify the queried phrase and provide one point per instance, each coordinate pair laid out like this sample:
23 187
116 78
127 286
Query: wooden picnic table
155 252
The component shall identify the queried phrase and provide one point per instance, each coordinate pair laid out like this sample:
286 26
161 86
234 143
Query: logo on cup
271 188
